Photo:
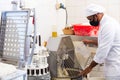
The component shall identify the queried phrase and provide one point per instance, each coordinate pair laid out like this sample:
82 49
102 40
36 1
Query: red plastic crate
85 30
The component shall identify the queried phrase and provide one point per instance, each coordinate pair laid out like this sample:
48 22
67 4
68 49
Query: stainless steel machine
14 47
17 48
62 60
13 37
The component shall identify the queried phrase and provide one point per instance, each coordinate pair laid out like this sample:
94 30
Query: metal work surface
14 76
79 38
42 77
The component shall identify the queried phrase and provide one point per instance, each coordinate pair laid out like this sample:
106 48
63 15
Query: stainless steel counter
79 38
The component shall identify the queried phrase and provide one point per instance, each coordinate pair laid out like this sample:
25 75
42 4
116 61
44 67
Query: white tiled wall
76 9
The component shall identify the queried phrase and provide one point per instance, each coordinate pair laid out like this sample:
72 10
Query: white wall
76 9
47 16
5 5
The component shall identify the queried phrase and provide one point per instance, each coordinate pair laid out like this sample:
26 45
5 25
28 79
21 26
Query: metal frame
13 36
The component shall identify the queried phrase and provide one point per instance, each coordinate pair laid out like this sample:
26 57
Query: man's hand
85 72
88 69
86 41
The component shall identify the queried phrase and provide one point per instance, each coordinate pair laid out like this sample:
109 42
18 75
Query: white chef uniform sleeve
105 42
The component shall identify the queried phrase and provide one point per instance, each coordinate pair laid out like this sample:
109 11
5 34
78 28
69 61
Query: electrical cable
66 17
62 6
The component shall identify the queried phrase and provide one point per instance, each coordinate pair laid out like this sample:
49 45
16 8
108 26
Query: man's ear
96 17
98 14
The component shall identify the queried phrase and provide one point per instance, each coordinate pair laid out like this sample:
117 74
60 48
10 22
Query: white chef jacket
108 51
